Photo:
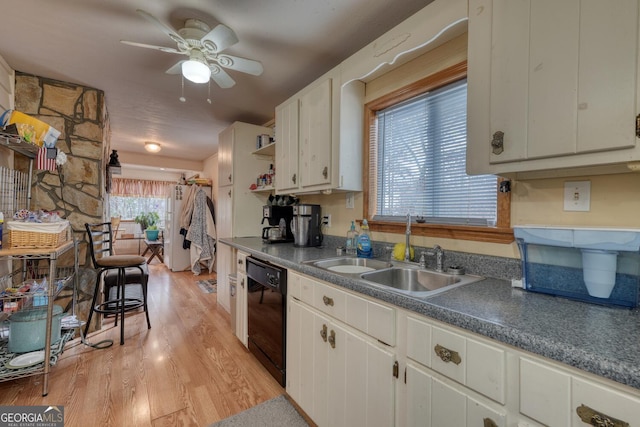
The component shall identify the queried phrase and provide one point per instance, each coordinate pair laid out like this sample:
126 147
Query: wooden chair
121 267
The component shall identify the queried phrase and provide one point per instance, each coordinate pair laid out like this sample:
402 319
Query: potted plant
149 224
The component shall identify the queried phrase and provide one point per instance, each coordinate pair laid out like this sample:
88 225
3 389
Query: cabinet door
224 262
307 360
287 137
315 136
224 221
361 385
479 414
448 405
418 396
241 308
225 157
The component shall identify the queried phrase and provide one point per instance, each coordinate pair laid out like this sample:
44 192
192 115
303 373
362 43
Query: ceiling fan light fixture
152 147
196 68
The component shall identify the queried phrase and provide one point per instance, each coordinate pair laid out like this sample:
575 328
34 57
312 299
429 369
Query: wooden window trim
501 233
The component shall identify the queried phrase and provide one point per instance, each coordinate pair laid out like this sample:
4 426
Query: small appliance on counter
279 219
306 226
596 265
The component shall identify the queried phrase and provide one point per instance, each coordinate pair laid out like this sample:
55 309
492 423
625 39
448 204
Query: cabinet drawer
449 354
241 263
419 346
374 319
608 403
293 285
306 289
486 370
330 300
544 393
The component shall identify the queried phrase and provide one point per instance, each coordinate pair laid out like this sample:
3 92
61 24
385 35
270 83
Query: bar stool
104 261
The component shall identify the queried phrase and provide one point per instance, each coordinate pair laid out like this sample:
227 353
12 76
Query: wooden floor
187 370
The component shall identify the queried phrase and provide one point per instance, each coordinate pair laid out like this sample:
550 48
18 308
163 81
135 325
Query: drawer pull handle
488 422
293 178
325 172
598 419
327 300
332 339
497 143
323 333
447 355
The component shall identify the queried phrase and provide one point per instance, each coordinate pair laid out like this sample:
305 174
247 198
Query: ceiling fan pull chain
209 96
182 98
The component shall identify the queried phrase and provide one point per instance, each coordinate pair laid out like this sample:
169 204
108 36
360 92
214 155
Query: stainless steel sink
415 281
349 265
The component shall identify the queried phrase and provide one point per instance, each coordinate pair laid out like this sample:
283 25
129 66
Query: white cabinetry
558 397
552 86
239 211
319 137
440 362
338 375
241 298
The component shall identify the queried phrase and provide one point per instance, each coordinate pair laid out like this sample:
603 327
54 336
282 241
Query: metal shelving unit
27 256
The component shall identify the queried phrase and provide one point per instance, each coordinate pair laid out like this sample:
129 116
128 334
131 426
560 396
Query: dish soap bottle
364 248
352 239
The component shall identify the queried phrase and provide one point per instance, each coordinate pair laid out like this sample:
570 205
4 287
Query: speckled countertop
601 340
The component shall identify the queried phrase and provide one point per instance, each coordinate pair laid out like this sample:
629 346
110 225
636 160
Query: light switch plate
349 202
577 196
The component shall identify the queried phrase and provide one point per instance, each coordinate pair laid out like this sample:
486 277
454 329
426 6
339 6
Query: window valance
127 187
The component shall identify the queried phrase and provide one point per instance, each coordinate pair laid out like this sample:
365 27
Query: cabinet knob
327 300
332 339
323 333
447 355
325 172
597 419
293 178
240 262
229 178
229 193
497 143
488 422
242 283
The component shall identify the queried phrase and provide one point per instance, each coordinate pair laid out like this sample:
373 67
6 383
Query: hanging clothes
202 234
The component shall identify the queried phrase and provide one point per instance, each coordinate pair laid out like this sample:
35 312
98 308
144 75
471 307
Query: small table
156 247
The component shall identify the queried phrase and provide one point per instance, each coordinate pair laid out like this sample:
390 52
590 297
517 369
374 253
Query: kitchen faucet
439 254
407 247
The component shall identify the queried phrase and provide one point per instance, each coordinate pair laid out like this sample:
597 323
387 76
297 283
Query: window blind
420 161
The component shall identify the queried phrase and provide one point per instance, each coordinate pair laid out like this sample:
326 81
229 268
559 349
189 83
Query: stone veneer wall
79 112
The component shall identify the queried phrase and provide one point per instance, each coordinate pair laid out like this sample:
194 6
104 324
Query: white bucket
599 271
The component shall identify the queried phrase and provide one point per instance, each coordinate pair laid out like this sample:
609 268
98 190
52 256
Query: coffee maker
306 226
279 219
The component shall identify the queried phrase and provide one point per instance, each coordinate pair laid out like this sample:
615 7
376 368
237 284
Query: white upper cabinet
7 86
552 85
287 179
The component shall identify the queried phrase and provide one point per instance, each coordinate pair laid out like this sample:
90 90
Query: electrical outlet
327 220
350 202
577 196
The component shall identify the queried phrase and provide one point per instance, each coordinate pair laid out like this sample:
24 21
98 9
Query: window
417 160
130 197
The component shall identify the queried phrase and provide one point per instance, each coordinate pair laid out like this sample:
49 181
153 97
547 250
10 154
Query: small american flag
43 163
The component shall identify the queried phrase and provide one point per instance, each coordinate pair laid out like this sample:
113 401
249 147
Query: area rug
208 286
277 412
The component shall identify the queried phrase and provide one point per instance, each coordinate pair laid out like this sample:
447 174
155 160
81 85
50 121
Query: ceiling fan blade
173 35
176 68
150 46
243 65
221 77
218 39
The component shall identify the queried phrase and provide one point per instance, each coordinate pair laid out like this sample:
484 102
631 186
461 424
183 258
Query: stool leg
121 284
93 303
144 280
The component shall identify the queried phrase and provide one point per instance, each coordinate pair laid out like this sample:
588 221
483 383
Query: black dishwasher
266 306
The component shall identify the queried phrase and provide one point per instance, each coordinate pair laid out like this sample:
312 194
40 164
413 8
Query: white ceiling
78 41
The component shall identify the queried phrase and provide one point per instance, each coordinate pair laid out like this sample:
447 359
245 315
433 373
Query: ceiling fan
203 46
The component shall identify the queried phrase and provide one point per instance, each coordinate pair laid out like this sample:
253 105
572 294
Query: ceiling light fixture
196 68
152 147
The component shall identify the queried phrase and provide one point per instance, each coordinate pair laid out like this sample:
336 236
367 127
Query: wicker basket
43 235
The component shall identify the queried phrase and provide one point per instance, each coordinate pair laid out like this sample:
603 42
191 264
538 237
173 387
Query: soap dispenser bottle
352 239
364 248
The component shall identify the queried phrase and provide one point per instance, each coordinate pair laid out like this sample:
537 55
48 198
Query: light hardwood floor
187 370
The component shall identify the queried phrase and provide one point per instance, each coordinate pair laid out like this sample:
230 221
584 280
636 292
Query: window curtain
125 187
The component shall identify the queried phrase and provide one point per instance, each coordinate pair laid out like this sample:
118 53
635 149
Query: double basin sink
401 277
